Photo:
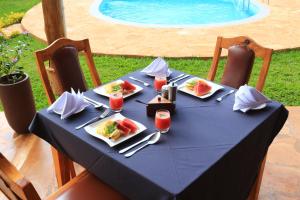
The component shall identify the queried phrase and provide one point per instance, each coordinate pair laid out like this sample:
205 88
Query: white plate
214 88
91 129
101 90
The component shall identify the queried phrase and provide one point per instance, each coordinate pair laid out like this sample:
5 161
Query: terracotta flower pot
18 104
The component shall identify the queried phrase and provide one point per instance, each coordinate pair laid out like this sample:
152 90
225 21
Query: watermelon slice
202 88
124 129
130 125
127 86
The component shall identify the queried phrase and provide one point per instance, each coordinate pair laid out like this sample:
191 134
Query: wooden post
54 23
54 19
55 28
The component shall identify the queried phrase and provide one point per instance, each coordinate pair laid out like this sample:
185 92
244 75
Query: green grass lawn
282 84
8 6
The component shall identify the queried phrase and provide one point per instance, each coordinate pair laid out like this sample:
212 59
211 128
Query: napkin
158 67
247 98
68 104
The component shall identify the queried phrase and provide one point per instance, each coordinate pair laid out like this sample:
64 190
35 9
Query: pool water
178 12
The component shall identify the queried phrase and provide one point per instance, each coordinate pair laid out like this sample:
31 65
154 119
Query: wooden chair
84 186
261 52
63 166
47 54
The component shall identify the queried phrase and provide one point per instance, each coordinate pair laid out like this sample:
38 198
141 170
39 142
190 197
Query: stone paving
281 178
12 29
279 30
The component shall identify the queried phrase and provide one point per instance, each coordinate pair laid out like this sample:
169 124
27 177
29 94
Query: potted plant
15 88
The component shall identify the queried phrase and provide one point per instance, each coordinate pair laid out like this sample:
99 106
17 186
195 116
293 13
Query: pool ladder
242 5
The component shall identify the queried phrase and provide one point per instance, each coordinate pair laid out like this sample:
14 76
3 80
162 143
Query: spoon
137 143
154 138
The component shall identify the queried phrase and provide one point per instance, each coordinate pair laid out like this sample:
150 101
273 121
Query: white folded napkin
68 104
158 67
247 98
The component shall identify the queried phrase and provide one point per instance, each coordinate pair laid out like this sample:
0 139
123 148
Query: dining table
210 151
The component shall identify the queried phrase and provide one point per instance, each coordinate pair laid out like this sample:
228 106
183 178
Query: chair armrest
14 183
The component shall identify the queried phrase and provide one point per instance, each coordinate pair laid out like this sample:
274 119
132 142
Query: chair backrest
261 52
14 185
63 53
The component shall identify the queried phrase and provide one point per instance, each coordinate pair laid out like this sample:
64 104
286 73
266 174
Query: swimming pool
179 12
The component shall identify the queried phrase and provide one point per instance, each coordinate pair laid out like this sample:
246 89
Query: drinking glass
159 81
116 102
162 120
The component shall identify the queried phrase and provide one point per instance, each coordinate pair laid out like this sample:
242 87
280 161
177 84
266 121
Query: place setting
198 87
117 128
160 71
157 68
124 87
162 122
116 92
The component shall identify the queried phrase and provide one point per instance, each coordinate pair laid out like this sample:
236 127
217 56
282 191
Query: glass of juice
162 120
159 81
116 102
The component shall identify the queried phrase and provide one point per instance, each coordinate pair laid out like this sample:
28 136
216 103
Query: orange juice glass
159 81
116 102
162 120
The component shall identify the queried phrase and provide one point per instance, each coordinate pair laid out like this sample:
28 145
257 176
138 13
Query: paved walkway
281 178
12 29
279 30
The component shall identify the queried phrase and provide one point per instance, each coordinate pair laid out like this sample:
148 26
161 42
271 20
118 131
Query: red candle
159 82
162 120
116 102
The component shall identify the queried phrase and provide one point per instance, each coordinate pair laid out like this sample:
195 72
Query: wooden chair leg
64 168
72 169
256 187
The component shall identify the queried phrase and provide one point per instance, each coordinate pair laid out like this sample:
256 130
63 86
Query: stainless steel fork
224 95
104 114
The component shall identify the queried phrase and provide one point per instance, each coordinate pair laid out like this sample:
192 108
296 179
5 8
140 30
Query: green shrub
10 69
12 18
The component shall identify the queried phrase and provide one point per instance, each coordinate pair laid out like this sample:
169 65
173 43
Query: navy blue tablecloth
210 151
